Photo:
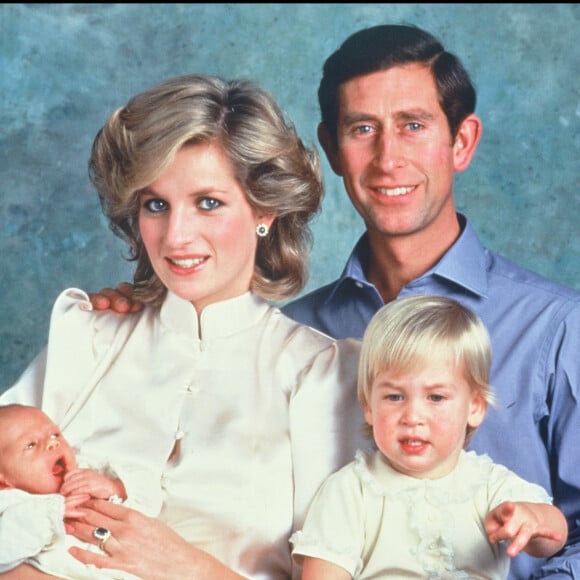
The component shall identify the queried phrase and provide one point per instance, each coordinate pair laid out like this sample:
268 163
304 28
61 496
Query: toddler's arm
539 529
317 569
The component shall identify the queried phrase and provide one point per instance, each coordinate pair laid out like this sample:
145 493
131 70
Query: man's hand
119 299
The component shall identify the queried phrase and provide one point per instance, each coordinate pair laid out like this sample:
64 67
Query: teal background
65 67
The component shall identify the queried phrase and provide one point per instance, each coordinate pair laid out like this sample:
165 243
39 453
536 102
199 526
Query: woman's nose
179 228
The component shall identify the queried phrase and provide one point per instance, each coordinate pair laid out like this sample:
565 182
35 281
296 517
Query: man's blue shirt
534 326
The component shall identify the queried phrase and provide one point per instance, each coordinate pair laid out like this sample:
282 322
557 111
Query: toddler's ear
477 410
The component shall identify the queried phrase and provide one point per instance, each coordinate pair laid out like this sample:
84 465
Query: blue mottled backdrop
64 67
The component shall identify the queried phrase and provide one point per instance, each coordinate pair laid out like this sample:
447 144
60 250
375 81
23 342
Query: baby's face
34 456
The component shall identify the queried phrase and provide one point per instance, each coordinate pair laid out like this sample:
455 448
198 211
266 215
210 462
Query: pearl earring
262 230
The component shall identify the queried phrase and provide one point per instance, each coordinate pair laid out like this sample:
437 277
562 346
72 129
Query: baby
41 486
420 505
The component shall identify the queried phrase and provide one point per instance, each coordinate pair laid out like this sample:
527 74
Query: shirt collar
464 264
458 486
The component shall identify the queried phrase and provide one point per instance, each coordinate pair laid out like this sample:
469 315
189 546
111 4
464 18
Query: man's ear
466 142
330 148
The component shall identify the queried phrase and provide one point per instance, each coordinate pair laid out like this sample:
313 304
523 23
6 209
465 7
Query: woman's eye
209 203
436 398
155 205
30 445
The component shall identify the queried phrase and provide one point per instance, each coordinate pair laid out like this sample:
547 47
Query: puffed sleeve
505 485
325 420
334 530
69 349
28 523
80 345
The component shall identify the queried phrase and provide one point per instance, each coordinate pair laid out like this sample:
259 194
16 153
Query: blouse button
192 389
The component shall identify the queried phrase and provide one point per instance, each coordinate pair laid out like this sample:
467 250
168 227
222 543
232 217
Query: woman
238 412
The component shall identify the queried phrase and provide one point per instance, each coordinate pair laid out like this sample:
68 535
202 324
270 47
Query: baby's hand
517 523
88 481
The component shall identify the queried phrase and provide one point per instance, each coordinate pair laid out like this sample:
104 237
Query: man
397 123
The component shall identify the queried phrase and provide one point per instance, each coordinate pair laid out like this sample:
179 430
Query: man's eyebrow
350 118
415 114
406 115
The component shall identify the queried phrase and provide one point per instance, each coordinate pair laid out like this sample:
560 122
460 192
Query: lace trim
432 522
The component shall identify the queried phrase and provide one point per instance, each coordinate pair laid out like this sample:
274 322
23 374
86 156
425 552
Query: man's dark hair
382 47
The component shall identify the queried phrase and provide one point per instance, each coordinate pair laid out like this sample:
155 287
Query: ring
101 534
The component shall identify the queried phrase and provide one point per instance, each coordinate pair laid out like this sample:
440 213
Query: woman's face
198 227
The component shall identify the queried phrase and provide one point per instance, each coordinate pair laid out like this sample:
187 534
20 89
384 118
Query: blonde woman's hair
415 330
279 174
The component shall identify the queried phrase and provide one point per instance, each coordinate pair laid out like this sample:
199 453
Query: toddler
420 505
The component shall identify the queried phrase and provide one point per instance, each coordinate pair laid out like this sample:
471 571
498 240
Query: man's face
395 151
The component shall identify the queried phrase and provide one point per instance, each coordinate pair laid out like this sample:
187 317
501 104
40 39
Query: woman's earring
262 230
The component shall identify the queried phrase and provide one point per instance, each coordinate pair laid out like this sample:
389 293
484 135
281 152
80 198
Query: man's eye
414 126
209 203
155 205
363 129
30 445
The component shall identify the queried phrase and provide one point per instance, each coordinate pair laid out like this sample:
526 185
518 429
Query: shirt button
358 284
179 434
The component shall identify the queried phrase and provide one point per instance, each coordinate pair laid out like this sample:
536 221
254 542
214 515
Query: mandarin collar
218 320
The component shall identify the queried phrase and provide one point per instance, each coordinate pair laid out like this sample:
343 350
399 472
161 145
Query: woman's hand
143 546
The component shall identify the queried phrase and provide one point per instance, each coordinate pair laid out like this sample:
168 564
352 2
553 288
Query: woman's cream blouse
238 419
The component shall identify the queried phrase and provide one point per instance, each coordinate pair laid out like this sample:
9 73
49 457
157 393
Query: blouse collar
217 320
